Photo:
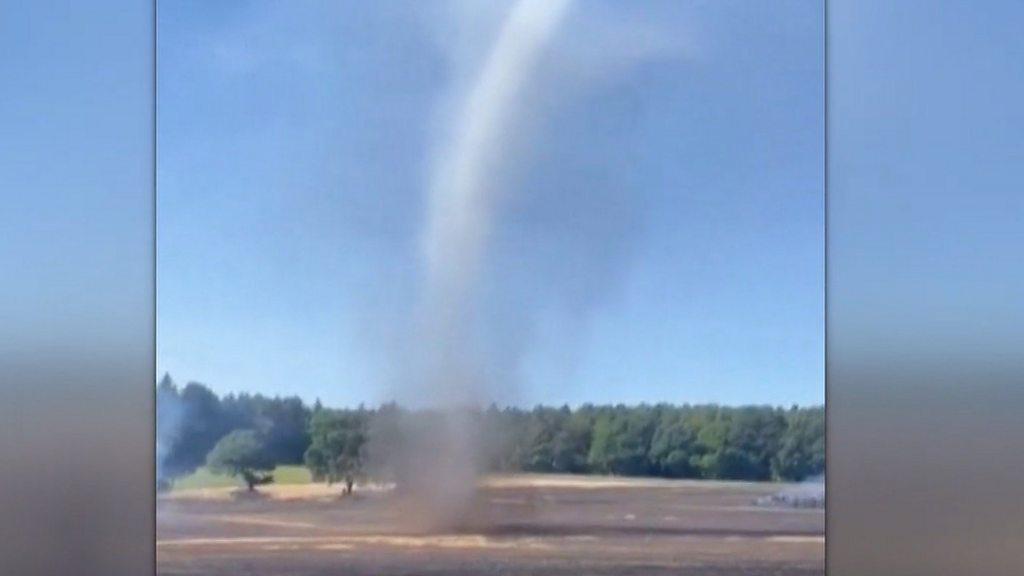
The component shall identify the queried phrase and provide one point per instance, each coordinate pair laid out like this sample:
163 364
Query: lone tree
335 453
242 453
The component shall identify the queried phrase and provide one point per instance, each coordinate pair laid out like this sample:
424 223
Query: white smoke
810 493
463 198
440 465
169 416
458 360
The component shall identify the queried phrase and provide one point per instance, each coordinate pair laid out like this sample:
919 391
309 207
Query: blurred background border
925 287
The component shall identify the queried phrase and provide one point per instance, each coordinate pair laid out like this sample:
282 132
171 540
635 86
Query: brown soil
544 525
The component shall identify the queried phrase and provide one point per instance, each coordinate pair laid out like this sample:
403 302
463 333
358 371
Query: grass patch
203 478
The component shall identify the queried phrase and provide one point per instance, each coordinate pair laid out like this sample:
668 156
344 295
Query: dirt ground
543 525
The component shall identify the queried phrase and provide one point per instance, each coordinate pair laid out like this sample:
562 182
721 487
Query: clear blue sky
663 240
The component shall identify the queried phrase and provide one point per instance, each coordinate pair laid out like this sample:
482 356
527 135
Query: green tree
190 422
672 447
729 464
242 453
337 441
572 443
754 434
706 441
282 422
801 453
621 440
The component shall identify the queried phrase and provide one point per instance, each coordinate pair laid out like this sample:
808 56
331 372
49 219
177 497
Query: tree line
247 435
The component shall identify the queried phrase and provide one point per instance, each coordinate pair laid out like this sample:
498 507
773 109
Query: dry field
543 525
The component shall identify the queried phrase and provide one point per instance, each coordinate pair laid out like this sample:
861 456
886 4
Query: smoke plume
462 353
462 200
810 493
461 205
169 416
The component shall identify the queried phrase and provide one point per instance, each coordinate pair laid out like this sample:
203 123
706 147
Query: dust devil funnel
462 206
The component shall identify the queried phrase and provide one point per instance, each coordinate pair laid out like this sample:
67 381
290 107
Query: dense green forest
688 441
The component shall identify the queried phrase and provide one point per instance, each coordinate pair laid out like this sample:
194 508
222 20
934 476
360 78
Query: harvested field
521 525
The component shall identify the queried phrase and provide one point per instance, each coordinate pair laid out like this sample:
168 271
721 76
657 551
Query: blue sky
661 240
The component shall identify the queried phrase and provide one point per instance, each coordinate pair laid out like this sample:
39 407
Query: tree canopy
335 451
242 453
342 445
192 419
